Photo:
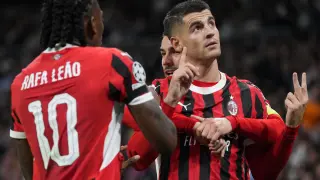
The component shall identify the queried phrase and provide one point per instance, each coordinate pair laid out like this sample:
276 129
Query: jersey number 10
71 116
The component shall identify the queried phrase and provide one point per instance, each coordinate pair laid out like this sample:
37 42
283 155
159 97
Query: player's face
170 58
95 25
200 35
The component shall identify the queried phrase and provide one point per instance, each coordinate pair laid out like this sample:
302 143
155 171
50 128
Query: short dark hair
62 22
176 14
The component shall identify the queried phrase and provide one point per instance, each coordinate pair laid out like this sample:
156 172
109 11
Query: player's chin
214 53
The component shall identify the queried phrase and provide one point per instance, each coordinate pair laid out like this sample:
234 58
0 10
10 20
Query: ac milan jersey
191 160
69 105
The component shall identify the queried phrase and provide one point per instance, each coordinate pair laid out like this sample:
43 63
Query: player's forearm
183 123
139 145
25 158
259 130
156 126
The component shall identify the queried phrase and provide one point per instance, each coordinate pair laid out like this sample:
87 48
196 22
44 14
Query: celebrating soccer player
67 104
187 24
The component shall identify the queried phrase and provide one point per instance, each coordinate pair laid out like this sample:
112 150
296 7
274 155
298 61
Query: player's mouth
212 43
169 72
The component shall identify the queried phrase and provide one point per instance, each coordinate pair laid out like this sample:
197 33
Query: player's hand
127 163
212 128
218 147
296 102
181 80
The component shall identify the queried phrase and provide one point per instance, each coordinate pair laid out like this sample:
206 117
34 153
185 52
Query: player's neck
209 72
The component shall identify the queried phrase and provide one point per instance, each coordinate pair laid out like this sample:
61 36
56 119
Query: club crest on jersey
232 107
138 72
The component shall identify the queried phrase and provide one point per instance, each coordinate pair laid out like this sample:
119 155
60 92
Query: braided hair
62 22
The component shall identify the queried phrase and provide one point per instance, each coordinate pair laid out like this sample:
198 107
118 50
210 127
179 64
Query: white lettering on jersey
63 72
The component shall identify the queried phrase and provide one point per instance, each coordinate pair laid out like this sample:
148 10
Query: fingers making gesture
296 102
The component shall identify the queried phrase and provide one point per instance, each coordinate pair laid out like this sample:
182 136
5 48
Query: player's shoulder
19 78
106 51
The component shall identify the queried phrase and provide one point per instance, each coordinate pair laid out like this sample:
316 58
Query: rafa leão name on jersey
67 71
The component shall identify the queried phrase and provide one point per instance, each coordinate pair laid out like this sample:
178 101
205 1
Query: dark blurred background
263 41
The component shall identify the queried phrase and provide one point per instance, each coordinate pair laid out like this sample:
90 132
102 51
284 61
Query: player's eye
162 54
197 28
212 23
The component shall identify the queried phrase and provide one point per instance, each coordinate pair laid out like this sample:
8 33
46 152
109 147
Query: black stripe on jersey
164 167
184 149
157 88
246 102
240 156
245 99
16 116
114 94
258 107
124 71
205 155
225 163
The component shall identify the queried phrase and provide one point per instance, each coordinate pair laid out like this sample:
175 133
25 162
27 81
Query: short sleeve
127 80
16 130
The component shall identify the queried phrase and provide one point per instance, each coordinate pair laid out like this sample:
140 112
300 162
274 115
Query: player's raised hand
127 163
212 128
296 102
181 79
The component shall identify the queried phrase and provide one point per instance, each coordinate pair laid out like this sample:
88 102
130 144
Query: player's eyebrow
211 18
194 23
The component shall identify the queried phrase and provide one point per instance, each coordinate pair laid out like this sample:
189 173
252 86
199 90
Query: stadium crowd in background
261 41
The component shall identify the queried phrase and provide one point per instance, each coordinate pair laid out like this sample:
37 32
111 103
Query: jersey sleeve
16 130
127 80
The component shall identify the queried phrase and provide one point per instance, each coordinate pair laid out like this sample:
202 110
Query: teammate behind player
67 103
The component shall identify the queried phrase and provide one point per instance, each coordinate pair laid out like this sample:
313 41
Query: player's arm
139 145
154 124
276 158
21 144
25 157
268 164
128 119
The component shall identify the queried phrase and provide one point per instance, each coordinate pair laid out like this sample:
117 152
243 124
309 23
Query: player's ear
88 27
93 21
176 44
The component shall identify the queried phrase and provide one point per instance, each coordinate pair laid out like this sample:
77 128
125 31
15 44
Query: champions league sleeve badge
138 72
232 107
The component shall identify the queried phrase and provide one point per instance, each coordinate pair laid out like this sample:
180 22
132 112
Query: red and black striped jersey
68 104
229 97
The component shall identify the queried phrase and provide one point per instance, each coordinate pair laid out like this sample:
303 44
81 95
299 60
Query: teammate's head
191 24
71 21
170 58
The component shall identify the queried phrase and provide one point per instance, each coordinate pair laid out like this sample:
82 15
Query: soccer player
191 22
67 104
273 160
